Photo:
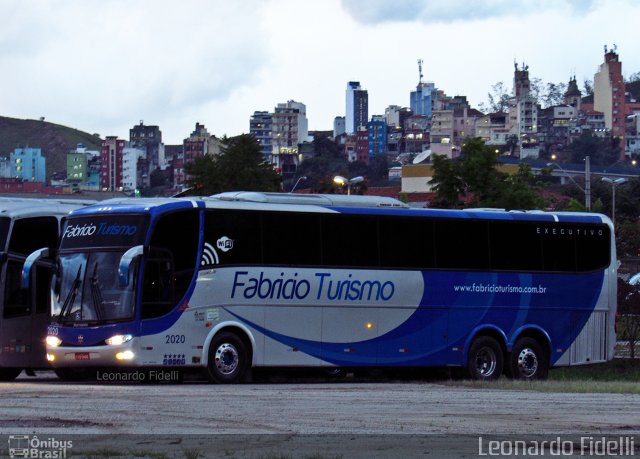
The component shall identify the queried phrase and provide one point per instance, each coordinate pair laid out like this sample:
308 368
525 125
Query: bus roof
24 207
334 200
327 203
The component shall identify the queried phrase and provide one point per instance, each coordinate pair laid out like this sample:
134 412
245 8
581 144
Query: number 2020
175 339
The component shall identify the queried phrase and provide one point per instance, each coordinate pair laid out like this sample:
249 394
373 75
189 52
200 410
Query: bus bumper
93 356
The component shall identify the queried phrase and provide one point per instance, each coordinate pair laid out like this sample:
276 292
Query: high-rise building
130 160
357 107
289 129
260 126
377 136
422 100
523 114
111 164
148 138
609 95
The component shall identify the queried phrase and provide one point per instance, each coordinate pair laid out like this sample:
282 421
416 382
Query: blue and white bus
26 225
243 280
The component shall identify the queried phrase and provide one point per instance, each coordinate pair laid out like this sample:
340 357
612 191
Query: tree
240 166
447 181
602 151
633 77
476 178
498 98
588 87
629 314
553 94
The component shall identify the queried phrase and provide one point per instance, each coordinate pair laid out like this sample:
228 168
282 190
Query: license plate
82 356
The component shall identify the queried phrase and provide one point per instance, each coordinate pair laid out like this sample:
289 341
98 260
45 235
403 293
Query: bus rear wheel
228 359
528 360
9 374
485 359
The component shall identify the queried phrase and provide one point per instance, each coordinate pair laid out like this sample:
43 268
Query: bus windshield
87 289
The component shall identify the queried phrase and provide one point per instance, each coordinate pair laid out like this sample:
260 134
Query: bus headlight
125 355
53 341
117 340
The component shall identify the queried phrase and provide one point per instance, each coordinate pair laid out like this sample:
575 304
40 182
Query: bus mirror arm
31 260
125 263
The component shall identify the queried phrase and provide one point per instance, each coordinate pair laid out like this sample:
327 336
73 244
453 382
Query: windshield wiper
96 294
71 296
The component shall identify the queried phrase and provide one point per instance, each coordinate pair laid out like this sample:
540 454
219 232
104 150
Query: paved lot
270 415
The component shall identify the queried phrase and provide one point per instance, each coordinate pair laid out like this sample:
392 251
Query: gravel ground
253 418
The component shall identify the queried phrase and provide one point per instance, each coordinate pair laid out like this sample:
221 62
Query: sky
102 66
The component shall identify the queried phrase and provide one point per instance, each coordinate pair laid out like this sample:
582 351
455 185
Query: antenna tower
420 70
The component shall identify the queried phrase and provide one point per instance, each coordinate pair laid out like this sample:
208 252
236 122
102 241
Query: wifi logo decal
209 255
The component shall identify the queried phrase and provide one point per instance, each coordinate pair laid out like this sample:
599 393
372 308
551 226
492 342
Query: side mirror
125 263
31 260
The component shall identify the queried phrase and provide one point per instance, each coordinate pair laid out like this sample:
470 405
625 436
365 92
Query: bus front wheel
228 359
528 360
485 360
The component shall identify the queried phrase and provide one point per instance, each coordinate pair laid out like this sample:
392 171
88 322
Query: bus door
15 328
24 313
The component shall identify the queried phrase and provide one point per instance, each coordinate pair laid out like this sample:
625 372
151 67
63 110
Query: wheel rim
227 358
527 362
486 362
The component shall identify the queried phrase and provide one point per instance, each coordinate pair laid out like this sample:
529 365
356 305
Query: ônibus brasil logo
102 229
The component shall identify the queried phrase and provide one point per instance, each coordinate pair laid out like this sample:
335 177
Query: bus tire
9 374
528 360
485 361
228 359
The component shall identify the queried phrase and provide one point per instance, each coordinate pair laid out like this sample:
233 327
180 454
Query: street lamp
587 180
304 177
340 180
614 183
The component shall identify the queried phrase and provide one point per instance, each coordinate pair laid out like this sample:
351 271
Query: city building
28 164
130 160
523 114
77 170
357 107
464 124
149 139
573 95
362 145
260 126
111 164
609 95
377 136
422 100
416 134
5 167
289 129
339 125
442 126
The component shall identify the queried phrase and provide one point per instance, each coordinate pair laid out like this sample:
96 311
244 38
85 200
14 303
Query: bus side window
240 230
172 262
28 235
158 286
16 300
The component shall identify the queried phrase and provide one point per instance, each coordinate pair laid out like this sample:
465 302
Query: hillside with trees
54 140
